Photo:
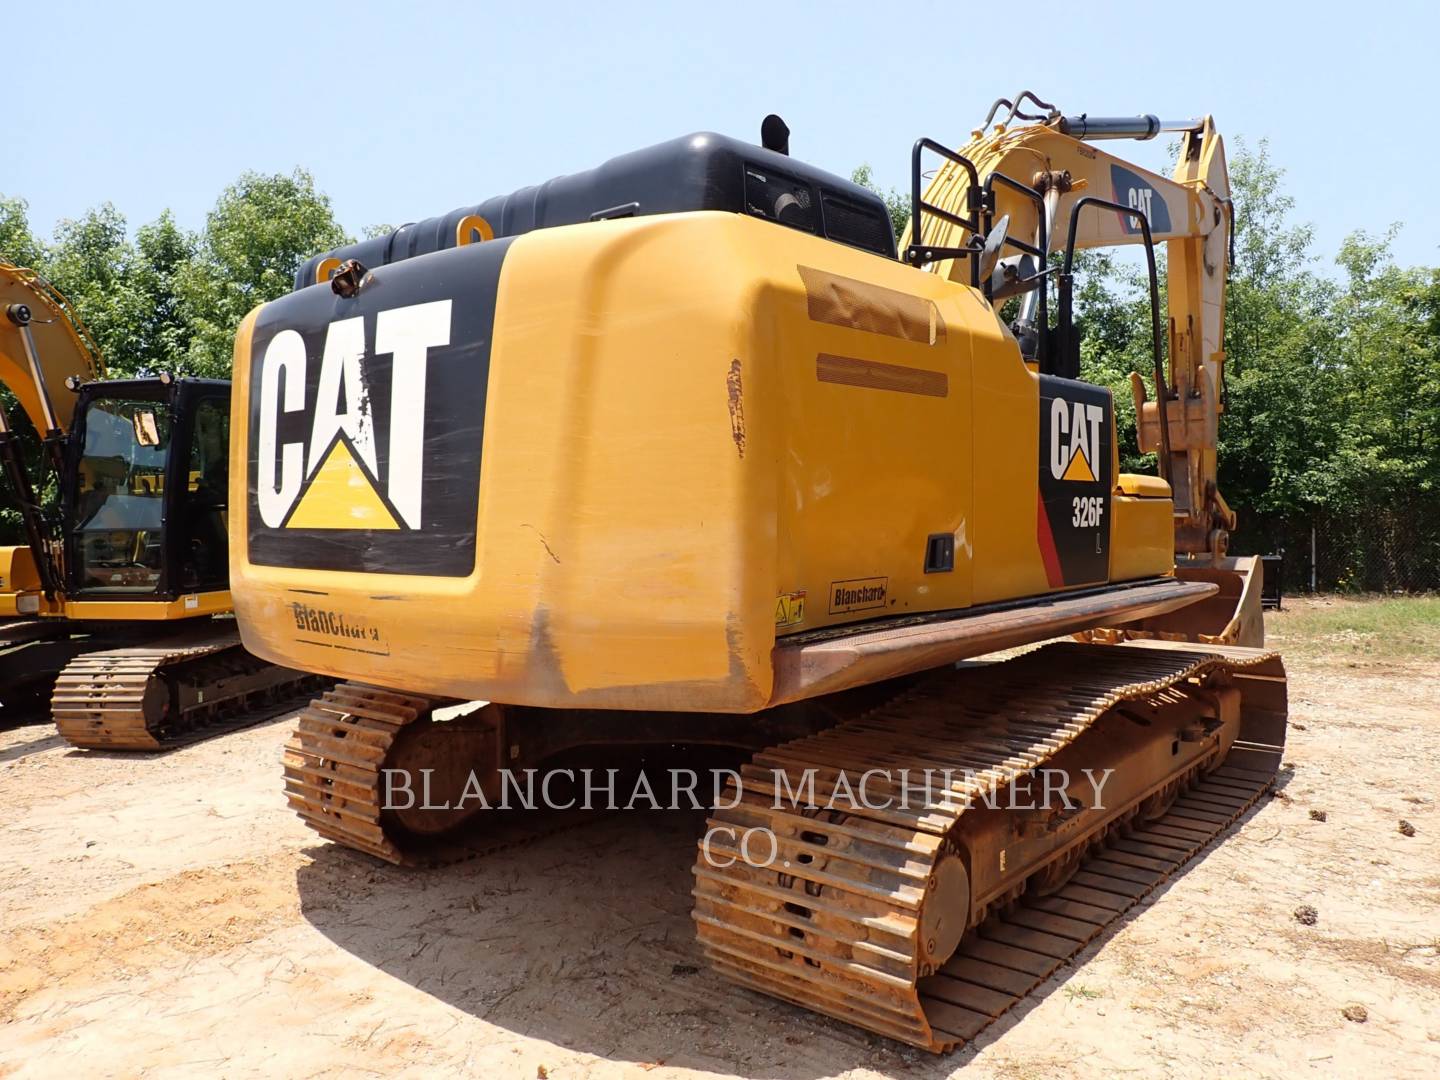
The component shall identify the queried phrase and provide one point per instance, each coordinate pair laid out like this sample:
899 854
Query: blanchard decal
858 594
1134 191
366 419
336 627
1077 428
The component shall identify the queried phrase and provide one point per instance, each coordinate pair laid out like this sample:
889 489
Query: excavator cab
1023 192
146 481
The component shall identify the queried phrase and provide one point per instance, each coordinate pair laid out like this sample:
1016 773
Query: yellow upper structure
696 433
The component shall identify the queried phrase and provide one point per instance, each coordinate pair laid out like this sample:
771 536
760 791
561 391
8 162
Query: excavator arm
1057 164
43 345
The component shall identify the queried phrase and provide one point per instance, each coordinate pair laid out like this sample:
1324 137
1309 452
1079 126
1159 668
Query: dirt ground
167 916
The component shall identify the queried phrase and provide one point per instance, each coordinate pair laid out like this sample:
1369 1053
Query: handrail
1162 392
1038 251
917 254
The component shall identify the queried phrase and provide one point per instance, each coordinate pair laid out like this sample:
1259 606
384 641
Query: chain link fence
1388 548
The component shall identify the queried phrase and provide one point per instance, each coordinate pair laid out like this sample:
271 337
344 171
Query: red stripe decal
1046 539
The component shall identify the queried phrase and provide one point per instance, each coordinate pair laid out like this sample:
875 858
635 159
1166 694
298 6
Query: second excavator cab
147 478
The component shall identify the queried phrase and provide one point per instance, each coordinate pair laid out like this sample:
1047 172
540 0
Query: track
920 922
335 780
167 695
862 917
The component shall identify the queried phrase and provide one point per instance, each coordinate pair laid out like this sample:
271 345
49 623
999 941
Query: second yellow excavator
116 607
684 450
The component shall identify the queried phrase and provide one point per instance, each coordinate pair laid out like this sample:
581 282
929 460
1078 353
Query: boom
42 344
1189 211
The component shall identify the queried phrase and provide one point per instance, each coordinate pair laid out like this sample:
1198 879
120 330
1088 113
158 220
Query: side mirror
1015 276
994 241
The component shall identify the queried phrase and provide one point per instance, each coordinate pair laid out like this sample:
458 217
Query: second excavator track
169 694
883 917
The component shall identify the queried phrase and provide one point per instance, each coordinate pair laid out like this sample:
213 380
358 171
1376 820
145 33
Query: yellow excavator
114 608
684 449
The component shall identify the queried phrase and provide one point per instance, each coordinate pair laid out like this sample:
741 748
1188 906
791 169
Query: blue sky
405 110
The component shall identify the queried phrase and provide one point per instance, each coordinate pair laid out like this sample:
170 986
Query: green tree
1112 314
895 202
1276 340
93 262
1278 345
260 230
164 254
126 291
1386 383
17 244
1332 414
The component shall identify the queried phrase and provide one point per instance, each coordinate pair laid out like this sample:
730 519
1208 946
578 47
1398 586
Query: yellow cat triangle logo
1079 468
340 496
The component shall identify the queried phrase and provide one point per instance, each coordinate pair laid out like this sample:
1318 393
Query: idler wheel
945 912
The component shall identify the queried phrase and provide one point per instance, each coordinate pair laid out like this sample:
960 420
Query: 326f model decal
1077 427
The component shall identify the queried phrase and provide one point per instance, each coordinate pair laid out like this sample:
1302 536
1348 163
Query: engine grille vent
857 226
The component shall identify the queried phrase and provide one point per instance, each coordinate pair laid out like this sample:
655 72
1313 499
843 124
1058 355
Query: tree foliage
261 229
1332 395
17 245
168 299
94 263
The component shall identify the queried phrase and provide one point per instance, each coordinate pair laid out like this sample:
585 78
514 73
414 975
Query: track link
163 696
335 781
847 923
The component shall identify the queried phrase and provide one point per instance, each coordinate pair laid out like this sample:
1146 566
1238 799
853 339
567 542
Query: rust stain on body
734 392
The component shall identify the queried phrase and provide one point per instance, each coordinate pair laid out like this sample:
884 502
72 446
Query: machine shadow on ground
584 939
42 738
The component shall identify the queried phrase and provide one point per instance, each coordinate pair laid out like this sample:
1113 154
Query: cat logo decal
334 481
366 418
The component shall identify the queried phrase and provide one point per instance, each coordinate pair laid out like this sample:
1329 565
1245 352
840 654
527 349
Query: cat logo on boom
1134 191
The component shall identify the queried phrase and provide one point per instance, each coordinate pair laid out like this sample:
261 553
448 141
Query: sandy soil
167 916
